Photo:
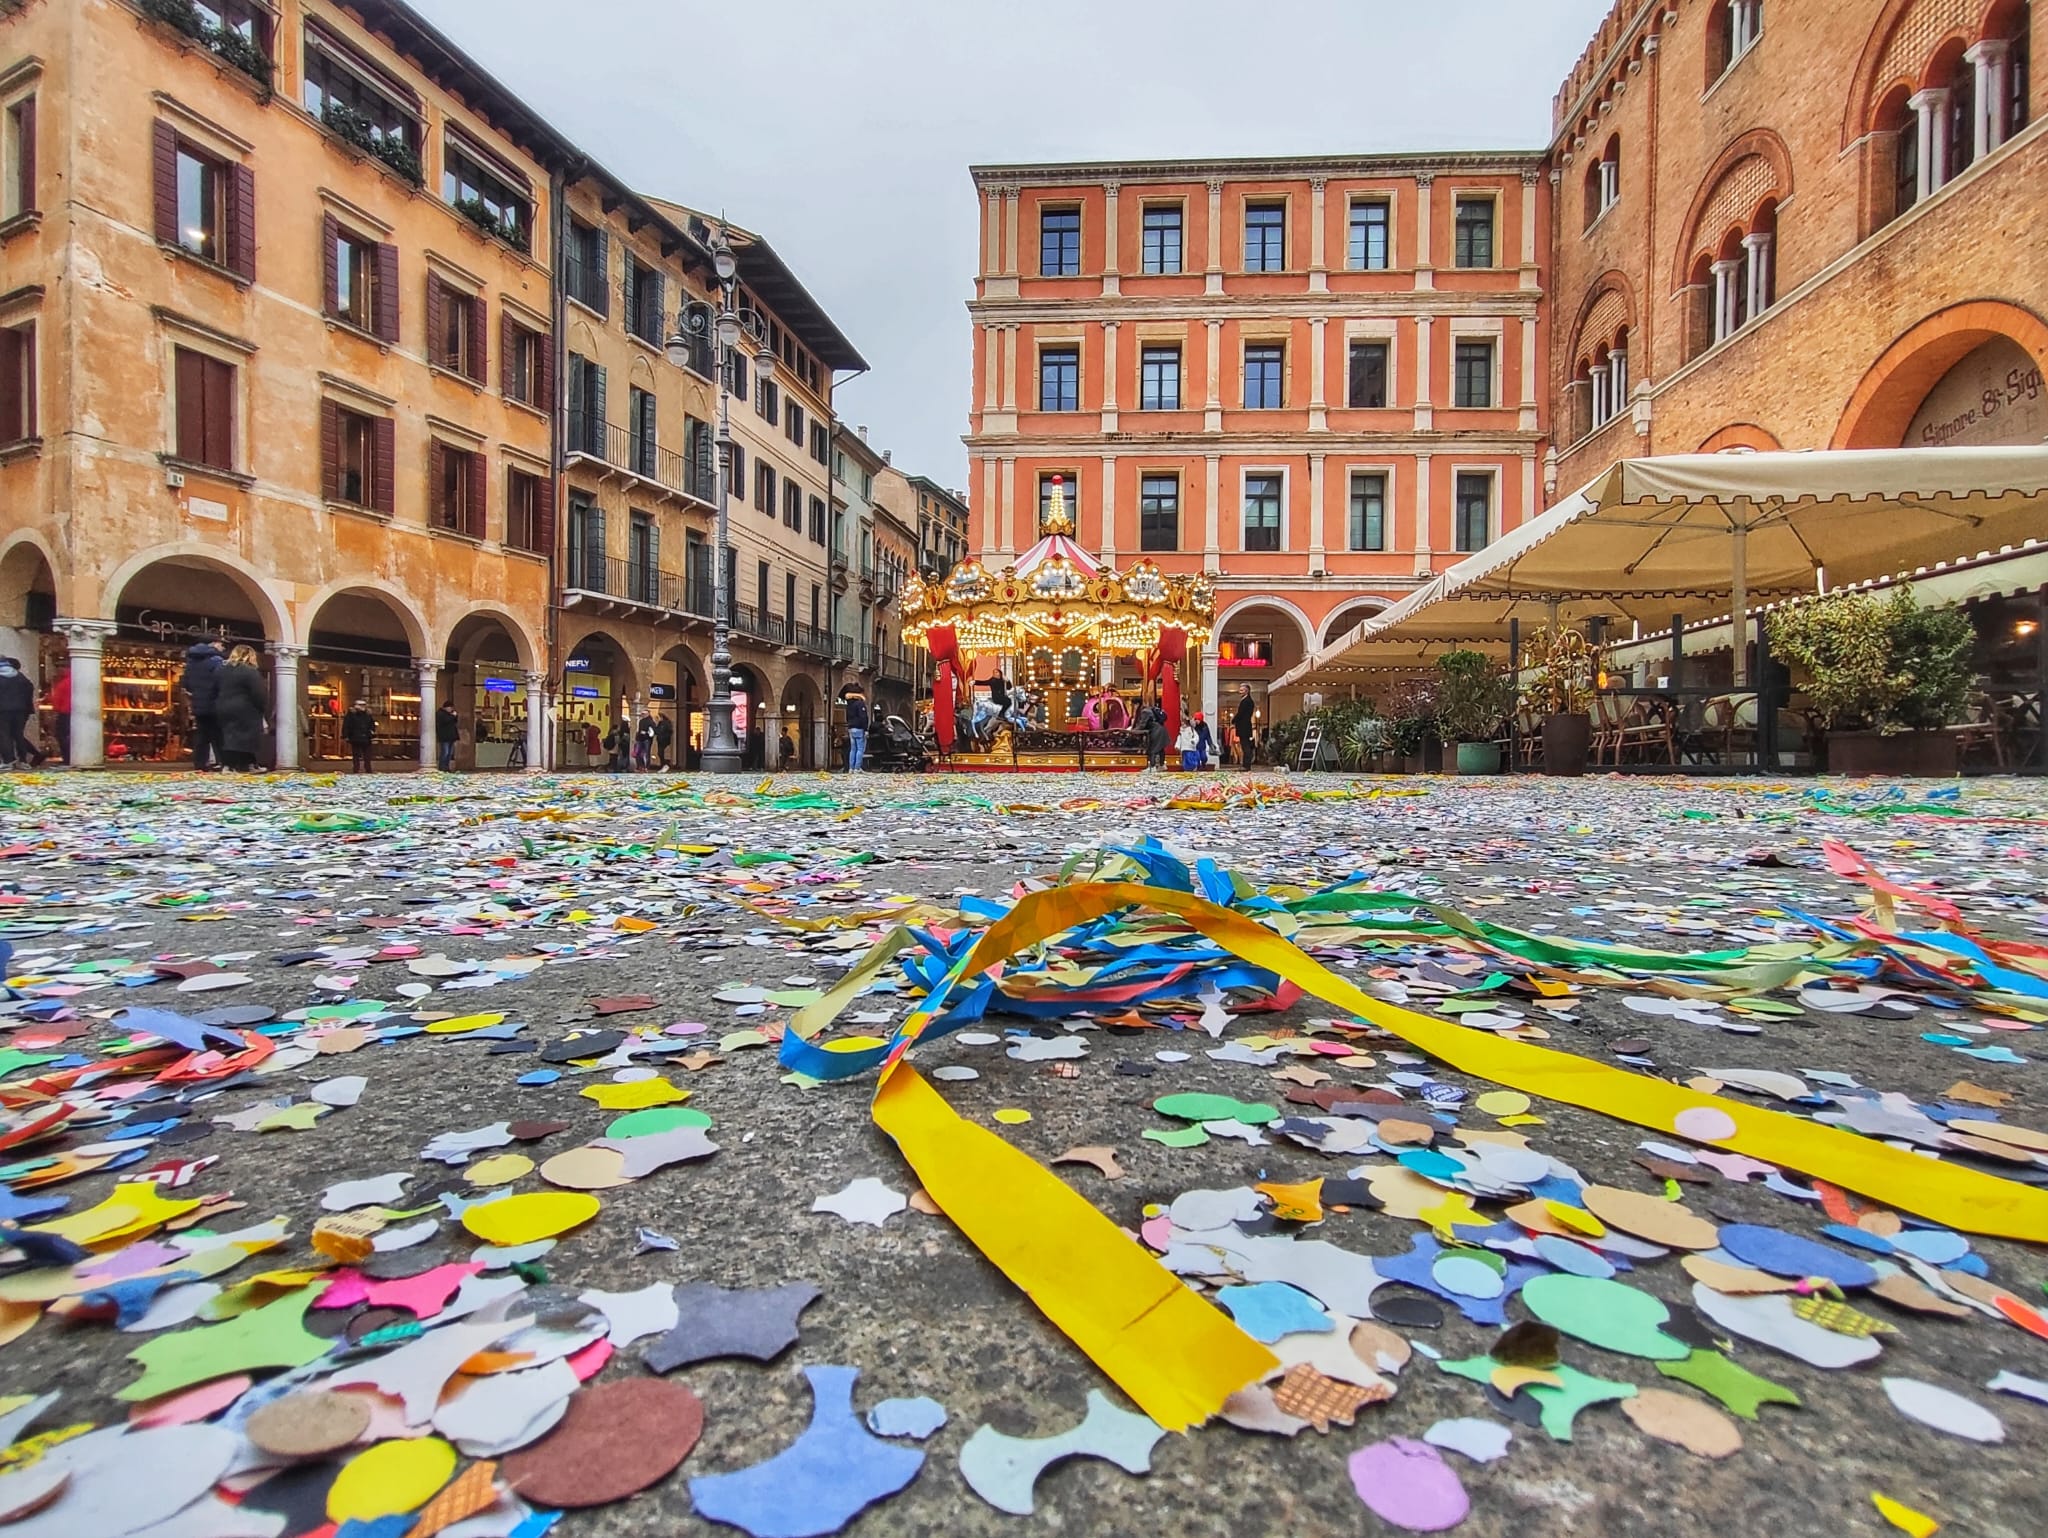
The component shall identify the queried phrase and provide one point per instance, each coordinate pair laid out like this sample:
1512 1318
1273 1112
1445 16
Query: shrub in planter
1472 697
1566 670
1879 666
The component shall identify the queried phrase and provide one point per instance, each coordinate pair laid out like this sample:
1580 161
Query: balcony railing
634 582
591 435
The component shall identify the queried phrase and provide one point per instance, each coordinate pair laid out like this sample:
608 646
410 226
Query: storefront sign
1995 395
500 686
576 665
583 692
661 691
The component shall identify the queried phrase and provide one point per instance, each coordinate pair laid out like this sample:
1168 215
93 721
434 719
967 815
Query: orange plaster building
1318 380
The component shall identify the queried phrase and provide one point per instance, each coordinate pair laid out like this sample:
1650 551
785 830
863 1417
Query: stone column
284 701
1422 552
537 723
1424 391
1932 107
1109 407
1993 61
1008 367
429 674
1529 228
85 641
1212 549
1318 365
1602 383
1528 328
1214 273
992 232
1108 510
1211 669
1423 275
1726 275
1318 268
992 525
1617 379
1756 251
1316 557
1112 269
1010 230
1007 480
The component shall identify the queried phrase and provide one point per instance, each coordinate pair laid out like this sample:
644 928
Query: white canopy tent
1704 535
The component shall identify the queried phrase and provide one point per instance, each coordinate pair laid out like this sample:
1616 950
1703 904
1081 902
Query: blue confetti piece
539 1076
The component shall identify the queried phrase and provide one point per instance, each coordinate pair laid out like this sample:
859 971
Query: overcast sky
842 129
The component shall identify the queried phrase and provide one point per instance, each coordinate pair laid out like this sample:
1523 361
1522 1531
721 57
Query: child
1190 747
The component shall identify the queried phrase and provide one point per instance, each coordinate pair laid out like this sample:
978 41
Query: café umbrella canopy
1702 535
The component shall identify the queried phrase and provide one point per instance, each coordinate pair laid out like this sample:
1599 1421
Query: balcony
592 438
619 586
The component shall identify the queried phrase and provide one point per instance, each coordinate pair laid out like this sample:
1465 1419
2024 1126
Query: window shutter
25 153
437 319
655 323
653 555
437 515
384 467
544 390
166 183
242 220
475 514
330 451
13 410
330 264
544 515
594 405
220 414
387 293
190 404
508 350
479 340
601 291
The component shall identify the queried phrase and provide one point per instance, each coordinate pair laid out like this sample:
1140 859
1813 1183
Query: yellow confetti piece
517 1220
635 1096
853 1044
131 1210
1575 1218
1904 1518
1010 1116
1522 1121
1502 1102
390 1478
499 1170
633 926
462 1023
1301 1203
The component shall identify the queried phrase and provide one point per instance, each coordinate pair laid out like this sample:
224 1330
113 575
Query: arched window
1963 128
1732 26
1594 207
1896 118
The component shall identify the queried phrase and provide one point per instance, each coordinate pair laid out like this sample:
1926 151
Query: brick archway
1740 435
1883 403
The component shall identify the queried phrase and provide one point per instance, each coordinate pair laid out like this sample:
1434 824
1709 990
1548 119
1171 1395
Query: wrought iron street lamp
721 327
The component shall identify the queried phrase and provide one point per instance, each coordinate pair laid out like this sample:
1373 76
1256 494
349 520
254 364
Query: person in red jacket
60 711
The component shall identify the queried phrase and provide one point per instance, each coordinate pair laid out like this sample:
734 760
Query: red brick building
1318 380
1799 225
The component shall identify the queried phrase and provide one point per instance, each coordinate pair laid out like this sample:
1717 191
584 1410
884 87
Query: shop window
1262 512
205 410
1368 382
17 383
455 328
1474 509
1159 513
1160 240
1473 232
1370 245
1369 511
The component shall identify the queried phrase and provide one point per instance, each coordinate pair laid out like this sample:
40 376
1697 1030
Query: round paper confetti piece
390 1478
635 1096
660 1118
1467 1277
1704 1124
1944 1410
308 1425
523 1219
539 1077
616 1440
1650 1217
586 1169
1408 1484
1684 1422
1503 1102
499 1170
1572 1258
1011 1116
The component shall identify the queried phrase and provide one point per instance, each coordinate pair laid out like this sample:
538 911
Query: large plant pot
1478 758
1918 755
1567 740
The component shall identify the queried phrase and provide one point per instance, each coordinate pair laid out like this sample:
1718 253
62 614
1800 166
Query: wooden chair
1645 726
1987 727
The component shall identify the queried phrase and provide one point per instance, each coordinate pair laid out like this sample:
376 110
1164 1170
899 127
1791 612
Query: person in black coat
242 708
1153 719
17 709
447 732
1241 726
664 734
358 727
201 683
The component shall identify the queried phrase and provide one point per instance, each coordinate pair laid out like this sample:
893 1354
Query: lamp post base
722 750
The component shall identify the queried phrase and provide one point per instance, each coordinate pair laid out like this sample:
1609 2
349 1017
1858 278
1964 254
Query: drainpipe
558 313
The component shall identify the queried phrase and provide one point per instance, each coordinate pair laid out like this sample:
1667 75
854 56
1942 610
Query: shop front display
586 704
391 695
143 712
498 726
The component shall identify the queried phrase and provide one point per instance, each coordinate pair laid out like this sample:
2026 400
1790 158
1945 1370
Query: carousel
1024 658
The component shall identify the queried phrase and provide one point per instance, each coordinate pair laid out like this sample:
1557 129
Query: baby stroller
894 748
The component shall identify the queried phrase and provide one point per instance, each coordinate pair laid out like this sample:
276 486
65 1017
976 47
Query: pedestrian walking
1241 725
856 730
60 711
664 734
201 683
1155 734
358 727
447 732
643 743
17 709
1203 741
1190 746
619 743
785 751
241 706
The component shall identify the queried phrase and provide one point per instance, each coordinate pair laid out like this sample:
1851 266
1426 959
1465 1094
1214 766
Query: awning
1705 535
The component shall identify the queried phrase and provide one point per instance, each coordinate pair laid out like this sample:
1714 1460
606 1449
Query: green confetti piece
1740 1391
1560 1404
272 1336
1179 1137
656 1118
1199 1107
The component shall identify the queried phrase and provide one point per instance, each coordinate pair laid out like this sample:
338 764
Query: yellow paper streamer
1943 1193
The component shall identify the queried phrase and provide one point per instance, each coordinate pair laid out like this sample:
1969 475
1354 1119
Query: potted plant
1566 670
1884 676
1472 697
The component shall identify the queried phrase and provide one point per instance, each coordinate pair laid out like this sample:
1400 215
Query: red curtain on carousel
1168 657
945 650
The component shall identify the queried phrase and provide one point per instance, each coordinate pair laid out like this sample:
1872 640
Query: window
794 425
526 365
1368 381
1474 497
1474 231
817 523
736 469
1068 485
455 329
455 494
586 544
1906 167
1059 242
1159 379
643 558
792 505
586 426
348 453
202 205
1265 237
761 586
1603 181
736 372
17 383
1059 379
1262 512
764 488
1160 241
206 410
205 206
1732 27
1369 511
644 300
586 252
343 91
1473 381
18 196
821 443
700 458
483 197
640 428
362 280
768 400
529 511
1369 243
1263 366
1159 512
